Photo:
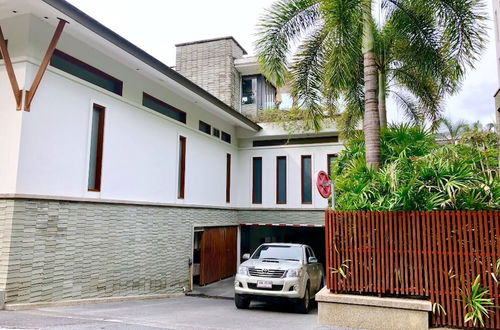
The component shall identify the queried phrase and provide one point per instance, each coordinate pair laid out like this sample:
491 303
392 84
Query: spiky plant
477 303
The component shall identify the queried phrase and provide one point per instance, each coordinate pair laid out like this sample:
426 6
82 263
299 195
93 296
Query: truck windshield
281 252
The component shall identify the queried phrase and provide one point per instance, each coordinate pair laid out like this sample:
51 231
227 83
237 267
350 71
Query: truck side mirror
246 256
312 260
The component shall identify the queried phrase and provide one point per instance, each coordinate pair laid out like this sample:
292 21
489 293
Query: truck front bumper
291 288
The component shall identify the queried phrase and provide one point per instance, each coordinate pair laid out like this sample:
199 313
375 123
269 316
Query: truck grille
272 273
274 288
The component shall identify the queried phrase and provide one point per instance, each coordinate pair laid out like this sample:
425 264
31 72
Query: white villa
123 177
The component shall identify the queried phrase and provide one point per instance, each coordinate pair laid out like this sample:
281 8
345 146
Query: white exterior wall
10 119
140 156
293 155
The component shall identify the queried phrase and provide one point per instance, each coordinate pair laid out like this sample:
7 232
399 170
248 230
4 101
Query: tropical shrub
418 174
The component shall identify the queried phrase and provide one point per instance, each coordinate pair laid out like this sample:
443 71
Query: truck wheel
304 305
241 301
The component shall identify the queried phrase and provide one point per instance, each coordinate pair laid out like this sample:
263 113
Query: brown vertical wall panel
432 255
218 254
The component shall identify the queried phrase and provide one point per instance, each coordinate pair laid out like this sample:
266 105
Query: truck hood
275 264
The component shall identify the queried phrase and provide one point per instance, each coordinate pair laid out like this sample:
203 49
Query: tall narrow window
181 181
96 142
329 163
257 180
281 180
306 180
228 178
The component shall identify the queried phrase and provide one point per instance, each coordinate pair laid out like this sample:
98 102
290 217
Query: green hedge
419 174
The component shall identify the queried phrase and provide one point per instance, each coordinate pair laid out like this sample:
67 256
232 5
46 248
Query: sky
157 25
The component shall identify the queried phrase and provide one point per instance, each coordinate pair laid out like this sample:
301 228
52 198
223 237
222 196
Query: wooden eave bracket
10 71
18 94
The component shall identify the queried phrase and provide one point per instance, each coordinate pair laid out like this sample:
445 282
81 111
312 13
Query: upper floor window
226 137
96 148
248 90
281 180
330 159
257 90
306 179
163 108
228 178
216 132
205 128
82 70
181 178
257 180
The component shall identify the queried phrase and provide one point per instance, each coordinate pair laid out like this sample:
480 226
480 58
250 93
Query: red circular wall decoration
324 184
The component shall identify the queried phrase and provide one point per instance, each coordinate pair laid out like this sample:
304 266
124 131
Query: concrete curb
202 295
65 303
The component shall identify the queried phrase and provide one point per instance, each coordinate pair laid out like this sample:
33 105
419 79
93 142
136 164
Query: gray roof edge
98 28
210 40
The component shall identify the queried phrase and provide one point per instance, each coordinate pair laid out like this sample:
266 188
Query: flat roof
211 40
96 27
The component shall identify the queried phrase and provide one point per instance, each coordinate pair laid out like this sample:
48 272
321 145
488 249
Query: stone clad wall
77 250
210 64
67 250
6 211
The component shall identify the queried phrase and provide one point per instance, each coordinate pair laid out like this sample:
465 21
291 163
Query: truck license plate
265 284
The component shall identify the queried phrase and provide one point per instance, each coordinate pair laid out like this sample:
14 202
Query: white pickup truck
279 271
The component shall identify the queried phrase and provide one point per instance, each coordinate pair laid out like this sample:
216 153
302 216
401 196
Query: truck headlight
243 270
293 273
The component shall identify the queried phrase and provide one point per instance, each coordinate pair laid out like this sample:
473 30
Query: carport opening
253 236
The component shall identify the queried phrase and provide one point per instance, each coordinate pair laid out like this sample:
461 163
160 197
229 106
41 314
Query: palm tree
344 59
453 130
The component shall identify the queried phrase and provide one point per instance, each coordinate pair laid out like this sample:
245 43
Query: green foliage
417 174
422 48
294 120
477 304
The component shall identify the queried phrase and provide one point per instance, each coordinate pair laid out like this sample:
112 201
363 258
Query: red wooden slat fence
432 255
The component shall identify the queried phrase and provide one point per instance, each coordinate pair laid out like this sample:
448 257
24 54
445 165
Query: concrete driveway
172 313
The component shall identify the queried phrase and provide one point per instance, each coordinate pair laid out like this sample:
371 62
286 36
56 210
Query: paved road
173 313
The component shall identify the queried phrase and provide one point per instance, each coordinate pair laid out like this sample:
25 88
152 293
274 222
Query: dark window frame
181 184
278 158
228 178
100 148
222 136
204 127
216 132
90 68
167 106
302 179
254 201
295 141
329 163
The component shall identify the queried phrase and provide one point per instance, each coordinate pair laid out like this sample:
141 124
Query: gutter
117 40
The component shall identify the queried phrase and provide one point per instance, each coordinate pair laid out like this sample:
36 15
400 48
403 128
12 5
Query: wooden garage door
218 254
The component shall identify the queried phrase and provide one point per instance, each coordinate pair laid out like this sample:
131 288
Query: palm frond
282 25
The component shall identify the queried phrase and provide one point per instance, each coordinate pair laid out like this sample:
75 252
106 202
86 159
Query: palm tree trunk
372 119
382 98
